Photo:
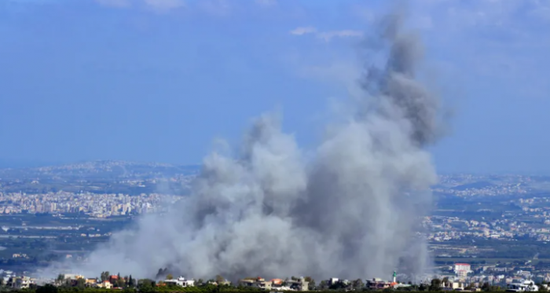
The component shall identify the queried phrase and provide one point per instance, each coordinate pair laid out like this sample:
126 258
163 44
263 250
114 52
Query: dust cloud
353 209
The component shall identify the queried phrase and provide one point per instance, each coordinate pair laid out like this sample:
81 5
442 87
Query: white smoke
352 210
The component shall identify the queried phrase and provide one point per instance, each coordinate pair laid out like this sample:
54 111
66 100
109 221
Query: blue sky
159 80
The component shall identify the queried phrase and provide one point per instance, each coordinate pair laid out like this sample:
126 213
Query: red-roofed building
113 279
462 269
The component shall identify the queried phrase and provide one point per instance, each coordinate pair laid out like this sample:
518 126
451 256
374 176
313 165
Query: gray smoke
353 210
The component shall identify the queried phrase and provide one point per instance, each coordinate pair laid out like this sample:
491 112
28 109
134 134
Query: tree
60 278
498 288
80 283
323 285
358 284
311 283
104 276
146 286
169 277
435 285
219 279
130 281
48 288
120 283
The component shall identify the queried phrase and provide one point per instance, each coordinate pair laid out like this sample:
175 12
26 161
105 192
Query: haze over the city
161 80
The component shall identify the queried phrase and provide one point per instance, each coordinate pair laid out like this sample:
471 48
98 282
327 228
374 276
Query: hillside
99 177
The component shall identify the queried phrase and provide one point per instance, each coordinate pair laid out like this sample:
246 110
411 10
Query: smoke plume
352 210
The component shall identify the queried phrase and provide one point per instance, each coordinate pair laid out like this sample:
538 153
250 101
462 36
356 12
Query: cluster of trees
131 285
148 286
128 284
143 287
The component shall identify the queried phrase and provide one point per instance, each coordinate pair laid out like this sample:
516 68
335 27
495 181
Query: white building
462 269
181 281
523 286
20 282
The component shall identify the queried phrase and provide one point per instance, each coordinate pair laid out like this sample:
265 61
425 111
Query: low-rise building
181 281
91 282
275 284
105 285
19 282
298 285
462 269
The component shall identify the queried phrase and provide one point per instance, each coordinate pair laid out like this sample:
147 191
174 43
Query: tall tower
394 276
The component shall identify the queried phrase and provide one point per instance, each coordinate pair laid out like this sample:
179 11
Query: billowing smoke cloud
352 210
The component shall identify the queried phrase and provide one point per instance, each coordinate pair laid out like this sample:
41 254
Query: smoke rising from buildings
352 210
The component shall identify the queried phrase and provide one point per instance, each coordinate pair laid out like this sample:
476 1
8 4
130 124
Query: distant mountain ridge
18 164
475 185
107 166
129 177
102 176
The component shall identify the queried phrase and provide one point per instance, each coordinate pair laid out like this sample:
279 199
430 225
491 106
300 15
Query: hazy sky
160 80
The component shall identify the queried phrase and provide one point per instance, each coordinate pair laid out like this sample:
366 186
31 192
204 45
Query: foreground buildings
461 279
181 281
276 284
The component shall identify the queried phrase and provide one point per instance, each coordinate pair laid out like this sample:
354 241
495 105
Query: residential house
105 285
19 282
73 276
222 283
181 281
91 282
378 284
24 282
256 283
275 284
298 285
263 284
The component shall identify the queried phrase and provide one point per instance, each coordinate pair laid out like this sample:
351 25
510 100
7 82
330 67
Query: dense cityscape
91 204
483 230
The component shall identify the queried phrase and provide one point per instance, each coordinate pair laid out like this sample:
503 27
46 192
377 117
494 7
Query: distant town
95 205
484 231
